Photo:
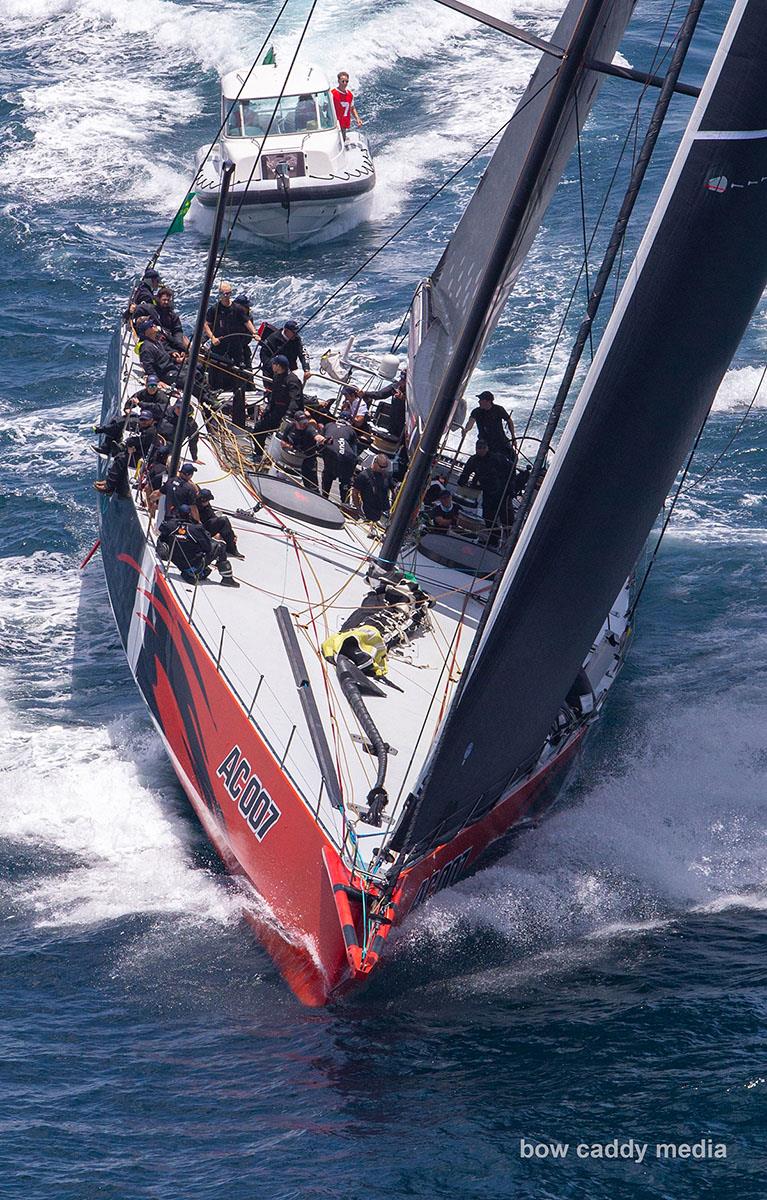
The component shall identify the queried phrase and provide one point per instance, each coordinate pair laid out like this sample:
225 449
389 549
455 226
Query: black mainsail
449 297
455 311
691 291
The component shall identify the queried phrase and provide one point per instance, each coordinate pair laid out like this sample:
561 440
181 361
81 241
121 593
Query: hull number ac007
244 786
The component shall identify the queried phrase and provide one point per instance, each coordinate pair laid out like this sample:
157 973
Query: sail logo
252 799
720 183
444 877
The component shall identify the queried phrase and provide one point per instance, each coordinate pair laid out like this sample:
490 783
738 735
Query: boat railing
261 705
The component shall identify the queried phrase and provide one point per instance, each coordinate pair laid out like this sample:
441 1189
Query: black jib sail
697 278
447 298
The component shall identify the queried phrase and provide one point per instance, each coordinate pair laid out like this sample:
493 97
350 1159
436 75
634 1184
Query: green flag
270 58
177 224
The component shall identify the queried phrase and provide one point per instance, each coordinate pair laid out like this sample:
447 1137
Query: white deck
319 575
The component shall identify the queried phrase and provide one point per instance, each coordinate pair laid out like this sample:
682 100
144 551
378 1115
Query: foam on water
99 797
678 827
82 135
738 389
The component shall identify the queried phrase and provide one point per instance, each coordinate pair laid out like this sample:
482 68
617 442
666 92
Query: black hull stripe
297 194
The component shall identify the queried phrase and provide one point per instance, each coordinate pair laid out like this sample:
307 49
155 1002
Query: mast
668 88
698 276
556 80
227 171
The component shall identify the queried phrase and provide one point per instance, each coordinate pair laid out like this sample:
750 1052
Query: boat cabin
297 175
304 106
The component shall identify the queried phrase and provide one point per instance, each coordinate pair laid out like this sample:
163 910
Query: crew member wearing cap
285 395
490 473
217 524
144 292
182 489
303 437
170 421
287 342
139 446
113 432
189 546
489 419
443 513
155 357
152 395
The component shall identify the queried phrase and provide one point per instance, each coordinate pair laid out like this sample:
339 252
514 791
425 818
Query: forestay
697 278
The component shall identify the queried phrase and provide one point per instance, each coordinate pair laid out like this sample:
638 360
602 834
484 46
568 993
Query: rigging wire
695 482
446 183
632 132
257 157
619 268
666 520
582 191
220 130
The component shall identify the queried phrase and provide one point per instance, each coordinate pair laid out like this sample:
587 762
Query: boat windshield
295 114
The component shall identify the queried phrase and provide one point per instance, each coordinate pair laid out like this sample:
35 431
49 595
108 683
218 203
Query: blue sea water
606 979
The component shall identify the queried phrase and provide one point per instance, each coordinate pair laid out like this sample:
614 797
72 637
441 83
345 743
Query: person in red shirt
343 102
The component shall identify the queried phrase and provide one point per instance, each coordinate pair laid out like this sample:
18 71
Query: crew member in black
302 436
170 321
443 513
182 489
151 396
221 328
242 331
148 399
139 445
217 523
189 546
286 341
397 392
156 358
372 487
284 396
155 472
489 419
490 473
170 421
340 451
144 293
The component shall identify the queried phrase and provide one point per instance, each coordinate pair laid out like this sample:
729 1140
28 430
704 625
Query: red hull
307 912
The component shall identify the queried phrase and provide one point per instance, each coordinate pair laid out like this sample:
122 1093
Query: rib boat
299 177
378 706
